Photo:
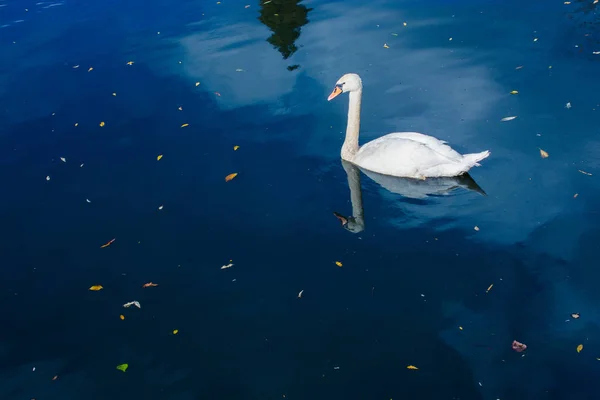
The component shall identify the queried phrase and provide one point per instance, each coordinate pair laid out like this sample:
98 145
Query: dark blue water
412 288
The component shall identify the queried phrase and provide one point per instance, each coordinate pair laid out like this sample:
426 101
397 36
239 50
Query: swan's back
409 154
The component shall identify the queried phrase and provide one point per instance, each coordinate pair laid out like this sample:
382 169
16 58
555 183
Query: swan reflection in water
407 187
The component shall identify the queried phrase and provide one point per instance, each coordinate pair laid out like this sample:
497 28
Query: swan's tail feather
472 160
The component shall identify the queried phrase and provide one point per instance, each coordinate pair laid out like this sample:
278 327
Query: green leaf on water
123 367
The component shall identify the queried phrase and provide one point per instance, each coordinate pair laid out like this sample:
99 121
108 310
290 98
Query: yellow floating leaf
544 154
385 46
579 348
339 264
159 157
236 147
91 69
230 177
197 83
184 125
129 62
96 288
411 367
102 124
175 332
76 123
122 317
514 92
460 327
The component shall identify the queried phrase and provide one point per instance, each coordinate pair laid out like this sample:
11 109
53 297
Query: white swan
402 154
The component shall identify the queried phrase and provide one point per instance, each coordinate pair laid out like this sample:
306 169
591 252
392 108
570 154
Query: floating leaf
575 315
227 266
175 331
102 124
508 118
108 243
338 263
55 377
160 207
96 288
123 367
544 154
579 348
489 288
122 317
63 159
48 177
518 346
129 62
235 148
230 177
149 284
385 46
585 173
514 92
300 294
411 367
91 69
114 94
132 303
159 157
197 83
184 125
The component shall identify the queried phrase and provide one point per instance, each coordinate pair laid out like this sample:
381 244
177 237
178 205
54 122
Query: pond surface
439 275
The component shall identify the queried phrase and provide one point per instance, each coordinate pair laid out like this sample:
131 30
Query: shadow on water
284 18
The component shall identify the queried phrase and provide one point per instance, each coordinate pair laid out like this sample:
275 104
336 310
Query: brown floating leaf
149 284
579 348
575 315
122 317
95 288
489 288
518 346
230 177
108 243
544 154
184 125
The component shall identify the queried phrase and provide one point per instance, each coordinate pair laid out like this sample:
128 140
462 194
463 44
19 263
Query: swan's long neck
350 146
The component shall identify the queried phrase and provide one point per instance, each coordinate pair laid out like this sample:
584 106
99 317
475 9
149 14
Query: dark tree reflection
284 18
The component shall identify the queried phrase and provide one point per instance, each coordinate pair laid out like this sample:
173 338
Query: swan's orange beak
337 90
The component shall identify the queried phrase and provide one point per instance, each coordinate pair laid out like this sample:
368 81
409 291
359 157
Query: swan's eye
339 85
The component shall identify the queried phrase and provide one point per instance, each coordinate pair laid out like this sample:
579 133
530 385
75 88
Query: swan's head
347 83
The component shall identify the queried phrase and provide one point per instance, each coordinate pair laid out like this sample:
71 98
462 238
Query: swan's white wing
397 155
434 143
